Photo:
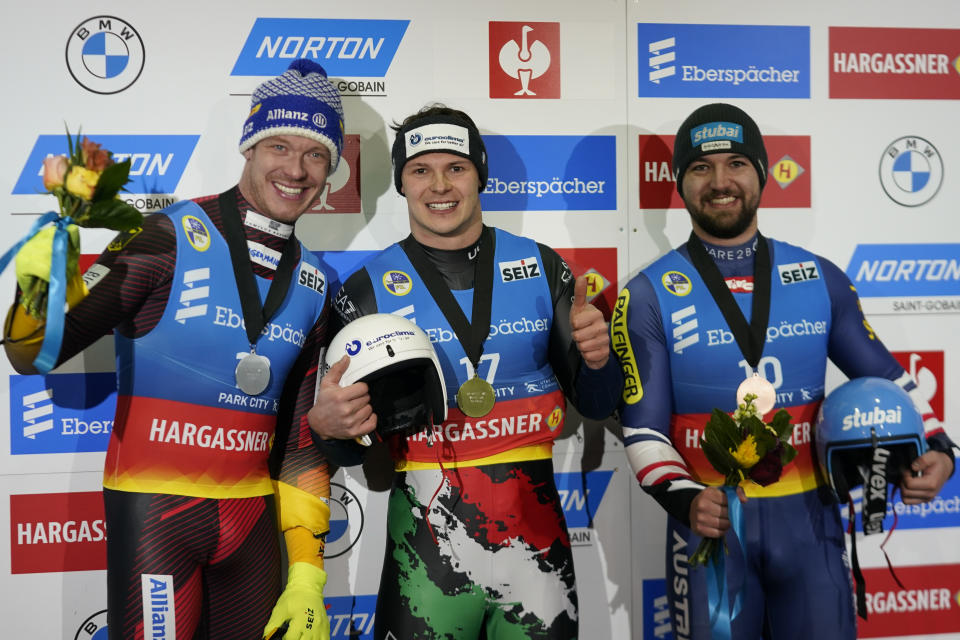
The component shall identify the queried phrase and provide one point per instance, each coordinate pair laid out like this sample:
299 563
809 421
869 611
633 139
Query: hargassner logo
789 171
723 61
345 48
342 191
105 54
56 532
157 163
194 294
911 171
911 64
61 413
524 60
917 601
600 266
684 328
551 173
907 278
580 497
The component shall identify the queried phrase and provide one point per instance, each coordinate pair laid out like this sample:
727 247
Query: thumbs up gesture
588 327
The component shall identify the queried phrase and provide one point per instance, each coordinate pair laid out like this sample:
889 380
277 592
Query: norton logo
346 521
519 269
341 194
105 54
662 57
524 59
397 282
785 171
192 294
93 628
580 496
353 347
911 171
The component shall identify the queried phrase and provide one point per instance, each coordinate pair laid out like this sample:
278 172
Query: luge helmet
397 361
868 432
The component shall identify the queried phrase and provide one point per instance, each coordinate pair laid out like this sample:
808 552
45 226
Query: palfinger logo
105 54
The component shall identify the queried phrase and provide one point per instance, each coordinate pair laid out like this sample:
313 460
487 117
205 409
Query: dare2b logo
524 60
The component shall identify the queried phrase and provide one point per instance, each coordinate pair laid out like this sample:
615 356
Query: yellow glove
301 604
36 255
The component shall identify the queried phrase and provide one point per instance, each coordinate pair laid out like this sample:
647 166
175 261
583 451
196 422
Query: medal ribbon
718 601
750 337
255 315
471 334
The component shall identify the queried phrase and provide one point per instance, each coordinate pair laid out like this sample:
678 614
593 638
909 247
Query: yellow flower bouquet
742 447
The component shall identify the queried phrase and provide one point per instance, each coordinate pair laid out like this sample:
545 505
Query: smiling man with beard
730 308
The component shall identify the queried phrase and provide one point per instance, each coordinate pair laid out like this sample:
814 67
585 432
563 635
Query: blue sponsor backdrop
157 162
551 173
722 61
61 413
656 610
345 48
581 495
351 616
942 511
888 270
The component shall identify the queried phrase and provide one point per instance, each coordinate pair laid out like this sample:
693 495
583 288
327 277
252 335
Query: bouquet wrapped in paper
743 448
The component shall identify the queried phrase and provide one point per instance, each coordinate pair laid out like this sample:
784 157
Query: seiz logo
193 294
581 495
523 269
312 278
798 272
685 324
61 412
662 57
157 162
524 59
341 194
55 532
345 48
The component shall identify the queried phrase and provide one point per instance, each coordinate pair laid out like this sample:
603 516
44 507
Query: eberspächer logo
105 54
911 171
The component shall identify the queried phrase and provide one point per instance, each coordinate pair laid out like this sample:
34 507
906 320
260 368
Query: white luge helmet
397 361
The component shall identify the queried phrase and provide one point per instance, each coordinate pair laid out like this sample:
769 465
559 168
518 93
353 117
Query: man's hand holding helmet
341 412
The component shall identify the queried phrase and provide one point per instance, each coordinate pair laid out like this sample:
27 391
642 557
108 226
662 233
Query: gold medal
476 397
766 395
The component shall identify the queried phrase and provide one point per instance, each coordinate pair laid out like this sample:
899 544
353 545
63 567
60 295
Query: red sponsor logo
926 367
524 60
600 265
788 183
342 192
57 532
740 284
928 602
917 64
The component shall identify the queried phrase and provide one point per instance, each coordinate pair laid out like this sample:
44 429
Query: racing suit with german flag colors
681 361
198 474
476 533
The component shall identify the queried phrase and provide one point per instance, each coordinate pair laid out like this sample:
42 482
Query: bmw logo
93 628
346 521
911 171
105 54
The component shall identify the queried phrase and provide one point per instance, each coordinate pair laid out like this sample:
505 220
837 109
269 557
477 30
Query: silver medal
766 395
253 374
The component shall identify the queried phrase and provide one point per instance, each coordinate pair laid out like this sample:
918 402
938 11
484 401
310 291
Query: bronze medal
476 397
766 395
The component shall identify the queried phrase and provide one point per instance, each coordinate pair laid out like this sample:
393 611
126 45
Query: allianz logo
194 293
661 58
37 413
